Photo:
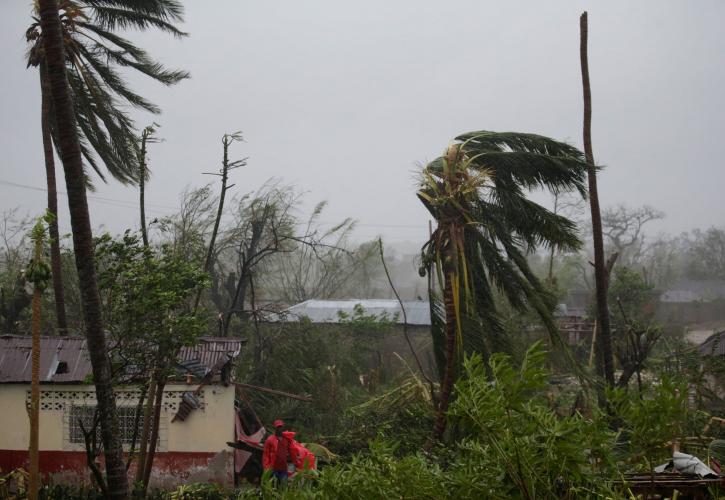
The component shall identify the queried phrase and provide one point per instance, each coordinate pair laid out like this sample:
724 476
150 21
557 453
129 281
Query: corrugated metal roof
326 311
15 360
714 345
211 352
71 355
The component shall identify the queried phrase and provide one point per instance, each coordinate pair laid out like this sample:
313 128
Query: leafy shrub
402 415
68 492
649 424
515 445
199 491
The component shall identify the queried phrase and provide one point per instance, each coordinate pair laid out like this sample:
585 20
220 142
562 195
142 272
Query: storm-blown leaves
95 54
477 193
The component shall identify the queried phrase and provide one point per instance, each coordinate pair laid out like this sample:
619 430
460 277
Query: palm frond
122 17
112 80
131 56
94 52
169 10
477 192
106 128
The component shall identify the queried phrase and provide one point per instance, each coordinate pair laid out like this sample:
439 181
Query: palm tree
485 227
55 261
71 155
93 53
37 273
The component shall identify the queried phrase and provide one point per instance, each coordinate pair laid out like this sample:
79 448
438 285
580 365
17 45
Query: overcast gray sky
344 98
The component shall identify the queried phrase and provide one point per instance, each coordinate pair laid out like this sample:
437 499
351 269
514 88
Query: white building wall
207 429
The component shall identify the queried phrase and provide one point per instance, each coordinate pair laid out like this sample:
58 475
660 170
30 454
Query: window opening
85 414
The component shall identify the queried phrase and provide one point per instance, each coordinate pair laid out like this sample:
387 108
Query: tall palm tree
55 261
94 52
477 193
71 155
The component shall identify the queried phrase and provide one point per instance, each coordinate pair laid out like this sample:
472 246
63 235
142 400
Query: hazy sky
344 98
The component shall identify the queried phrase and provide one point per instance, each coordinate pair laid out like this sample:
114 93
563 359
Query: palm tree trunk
75 179
34 482
55 263
605 361
142 190
447 383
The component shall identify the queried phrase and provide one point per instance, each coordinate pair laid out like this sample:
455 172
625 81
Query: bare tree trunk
83 246
220 211
226 167
447 383
154 435
247 256
217 221
137 418
146 431
605 361
34 482
55 262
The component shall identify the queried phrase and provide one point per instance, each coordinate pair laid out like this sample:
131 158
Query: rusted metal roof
210 353
62 359
65 359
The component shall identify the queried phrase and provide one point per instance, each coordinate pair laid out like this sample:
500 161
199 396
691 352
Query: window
85 414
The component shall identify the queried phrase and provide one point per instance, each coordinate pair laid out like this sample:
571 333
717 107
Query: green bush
199 491
515 446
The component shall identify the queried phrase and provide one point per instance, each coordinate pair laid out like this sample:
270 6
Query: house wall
192 450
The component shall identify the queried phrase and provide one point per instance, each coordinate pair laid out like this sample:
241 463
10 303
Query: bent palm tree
94 52
89 111
485 227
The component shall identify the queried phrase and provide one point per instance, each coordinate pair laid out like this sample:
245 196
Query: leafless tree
326 265
624 229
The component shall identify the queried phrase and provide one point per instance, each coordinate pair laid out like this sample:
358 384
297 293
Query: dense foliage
146 295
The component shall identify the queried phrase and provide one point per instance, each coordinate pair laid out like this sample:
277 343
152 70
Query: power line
98 199
114 202
90 197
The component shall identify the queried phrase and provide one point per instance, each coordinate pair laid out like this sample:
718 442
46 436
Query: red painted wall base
170 468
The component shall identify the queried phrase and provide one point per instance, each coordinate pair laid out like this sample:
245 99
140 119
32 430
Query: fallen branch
274 391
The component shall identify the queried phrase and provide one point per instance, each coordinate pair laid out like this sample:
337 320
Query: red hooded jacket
270 450
300 456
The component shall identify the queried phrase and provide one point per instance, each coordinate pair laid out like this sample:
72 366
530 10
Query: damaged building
197 413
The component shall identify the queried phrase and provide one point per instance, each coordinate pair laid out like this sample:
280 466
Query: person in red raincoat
277 454
301 456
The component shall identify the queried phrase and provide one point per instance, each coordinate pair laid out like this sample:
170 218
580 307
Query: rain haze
345 99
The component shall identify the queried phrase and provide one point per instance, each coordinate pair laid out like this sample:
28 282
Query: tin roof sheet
327 311
714 345
15 357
